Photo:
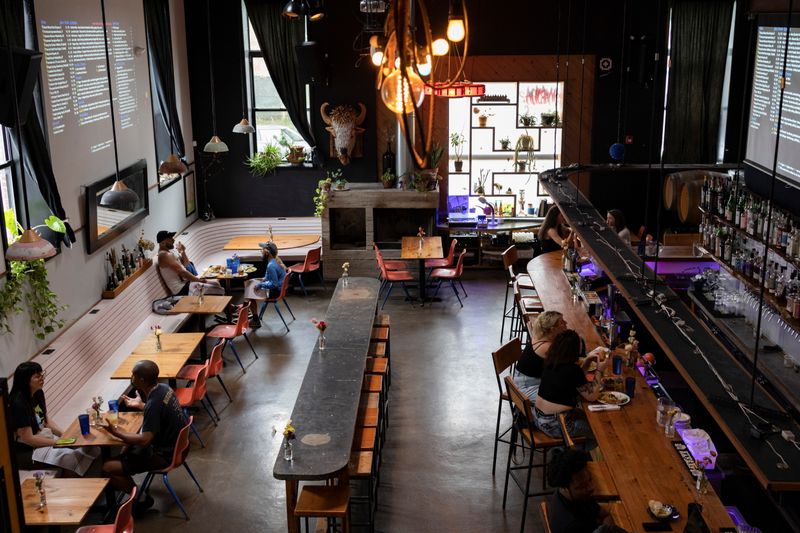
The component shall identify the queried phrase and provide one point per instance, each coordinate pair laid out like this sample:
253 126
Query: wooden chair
535 440
310 264
545 517
123 522
280 298
503 358
321 501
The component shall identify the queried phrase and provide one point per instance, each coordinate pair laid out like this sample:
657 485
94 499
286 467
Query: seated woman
34 433
269 286
553 231
529 367
616 220
563 383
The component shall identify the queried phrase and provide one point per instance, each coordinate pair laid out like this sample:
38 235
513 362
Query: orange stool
321 501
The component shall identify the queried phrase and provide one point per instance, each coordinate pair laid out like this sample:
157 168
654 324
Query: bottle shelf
107 295
778 304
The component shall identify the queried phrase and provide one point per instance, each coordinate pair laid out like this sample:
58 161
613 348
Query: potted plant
480 188
483 116
296 155
457 141
550 119
339 182
505 143
525 147
430 174
266 161
389 179
527 120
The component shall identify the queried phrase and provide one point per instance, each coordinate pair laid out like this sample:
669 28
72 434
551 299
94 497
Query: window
6 180
270 118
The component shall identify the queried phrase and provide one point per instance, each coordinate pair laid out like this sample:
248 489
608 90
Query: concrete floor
436 474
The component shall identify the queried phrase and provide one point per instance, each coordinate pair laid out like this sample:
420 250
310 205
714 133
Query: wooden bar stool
321 501
379 366
362 470
503 358
380 335
374 383
510 257
526 306
379 350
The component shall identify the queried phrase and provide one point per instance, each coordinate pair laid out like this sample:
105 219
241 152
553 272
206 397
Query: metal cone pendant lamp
215 145
172 165
244 127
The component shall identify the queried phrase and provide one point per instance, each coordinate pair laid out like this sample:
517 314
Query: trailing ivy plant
11 295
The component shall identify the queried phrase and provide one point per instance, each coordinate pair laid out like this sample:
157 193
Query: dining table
421 249
283 242
209 305
172 354
220 273
68 501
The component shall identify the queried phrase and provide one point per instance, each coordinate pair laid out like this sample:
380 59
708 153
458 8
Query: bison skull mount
344 127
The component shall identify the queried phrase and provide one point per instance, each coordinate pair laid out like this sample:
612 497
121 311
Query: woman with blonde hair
528 375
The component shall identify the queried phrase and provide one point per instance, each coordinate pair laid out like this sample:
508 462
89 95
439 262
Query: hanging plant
11 295
266 161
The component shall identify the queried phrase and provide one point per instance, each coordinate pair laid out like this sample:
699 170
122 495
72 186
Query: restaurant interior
532 266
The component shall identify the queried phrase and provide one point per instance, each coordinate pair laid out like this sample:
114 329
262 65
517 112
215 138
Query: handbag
163 306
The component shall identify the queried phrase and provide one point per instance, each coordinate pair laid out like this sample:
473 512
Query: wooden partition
11 505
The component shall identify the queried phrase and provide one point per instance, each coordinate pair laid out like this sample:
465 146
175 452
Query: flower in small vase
156 330
321 325
421 232
346 268
289 431
38 478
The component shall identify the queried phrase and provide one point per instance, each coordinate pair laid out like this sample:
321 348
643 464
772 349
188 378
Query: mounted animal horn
361 116
326 118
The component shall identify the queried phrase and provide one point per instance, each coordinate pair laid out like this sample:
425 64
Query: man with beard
177 271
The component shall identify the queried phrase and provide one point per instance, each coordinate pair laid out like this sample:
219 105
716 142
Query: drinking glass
112 417
83 420
663 406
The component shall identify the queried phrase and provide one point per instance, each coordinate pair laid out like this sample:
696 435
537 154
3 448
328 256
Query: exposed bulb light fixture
455 29
399 95
424 62
440 47
372 6
376 50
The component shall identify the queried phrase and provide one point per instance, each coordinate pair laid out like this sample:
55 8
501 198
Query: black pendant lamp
215 145
173 164
313 9
119 196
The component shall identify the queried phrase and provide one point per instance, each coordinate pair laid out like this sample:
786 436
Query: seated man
152 447
178 272
572 509
269 287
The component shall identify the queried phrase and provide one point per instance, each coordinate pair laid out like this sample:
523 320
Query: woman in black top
529 367
563 383
553 230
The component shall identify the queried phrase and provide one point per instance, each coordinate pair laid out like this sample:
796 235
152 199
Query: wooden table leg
292 523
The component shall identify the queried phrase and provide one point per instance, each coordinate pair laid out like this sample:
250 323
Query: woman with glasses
34 432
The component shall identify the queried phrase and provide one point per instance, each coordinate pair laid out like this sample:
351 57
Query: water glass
663 407
630 387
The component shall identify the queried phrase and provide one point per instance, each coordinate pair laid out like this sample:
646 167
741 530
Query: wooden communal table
325 412
68 500
283 242
176 348
431 249
642 461
130 421
211 305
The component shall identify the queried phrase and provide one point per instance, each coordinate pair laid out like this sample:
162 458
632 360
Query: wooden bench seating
81 360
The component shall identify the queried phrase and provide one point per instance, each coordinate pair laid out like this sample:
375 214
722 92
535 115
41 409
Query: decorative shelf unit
107 295
483 150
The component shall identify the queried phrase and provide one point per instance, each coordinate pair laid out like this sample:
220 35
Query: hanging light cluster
406 57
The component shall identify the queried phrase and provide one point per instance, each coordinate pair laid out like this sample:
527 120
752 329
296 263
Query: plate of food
613 398
662 511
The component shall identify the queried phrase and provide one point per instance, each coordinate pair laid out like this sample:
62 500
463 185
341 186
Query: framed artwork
189 193
539 190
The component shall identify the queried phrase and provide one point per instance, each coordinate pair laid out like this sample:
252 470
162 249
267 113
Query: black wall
520 27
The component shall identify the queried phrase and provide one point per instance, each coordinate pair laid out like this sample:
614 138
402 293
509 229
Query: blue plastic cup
617 365
229 263
113 405
83 420
630 386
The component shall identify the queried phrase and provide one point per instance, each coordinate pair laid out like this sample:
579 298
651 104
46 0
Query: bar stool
376 384
379 366
510 257
321 501
369 413
527 307
381 334
361 470
503 358
379 350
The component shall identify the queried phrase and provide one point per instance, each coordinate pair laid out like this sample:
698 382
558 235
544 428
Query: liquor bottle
704 194
769 278
780 284
730 208
727 253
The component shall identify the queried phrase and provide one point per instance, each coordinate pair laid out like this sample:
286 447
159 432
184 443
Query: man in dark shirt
572 509
151 448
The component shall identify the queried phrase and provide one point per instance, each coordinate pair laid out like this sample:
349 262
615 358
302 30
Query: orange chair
123 522
390 277
280 298
226 333
310 264
188 396
190 372
450 274
446 262
178 459
391 264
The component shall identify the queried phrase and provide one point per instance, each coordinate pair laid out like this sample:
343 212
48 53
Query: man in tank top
177 271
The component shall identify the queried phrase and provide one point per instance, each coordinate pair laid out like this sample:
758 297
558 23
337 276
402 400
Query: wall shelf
107 295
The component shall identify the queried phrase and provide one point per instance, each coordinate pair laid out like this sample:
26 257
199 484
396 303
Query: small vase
288 451
42 499
158 343
322 341
421 243
345 278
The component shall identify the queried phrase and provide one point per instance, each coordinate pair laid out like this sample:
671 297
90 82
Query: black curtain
277 36
700 32
36 156
159 41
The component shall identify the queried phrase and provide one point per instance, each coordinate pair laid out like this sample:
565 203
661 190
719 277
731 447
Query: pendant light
313 9
173 163
119 196
30 246
215 145
244 125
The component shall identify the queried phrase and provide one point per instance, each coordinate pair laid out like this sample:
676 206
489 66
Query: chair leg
438 286
462 288
236 354
455 290
289 308
251 344
278 309
505 313
144 486
511 449
175 496
302 286
219 378
321 279
389 292
186 466
211 404
408 294
263 308
197 434
527 489
497 433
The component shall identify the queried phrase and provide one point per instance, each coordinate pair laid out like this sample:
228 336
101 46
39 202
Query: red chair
450 274
190 372
178 459
310 264
446 262
123 522
390 277
281 298
197 392
226 333
391 264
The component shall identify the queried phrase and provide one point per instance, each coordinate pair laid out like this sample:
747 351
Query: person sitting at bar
554 231
178 272
616 220
152 447
269 286
563 383
571 507
529 367
35 433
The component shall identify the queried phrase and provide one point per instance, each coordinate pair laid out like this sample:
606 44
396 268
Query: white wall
78 278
